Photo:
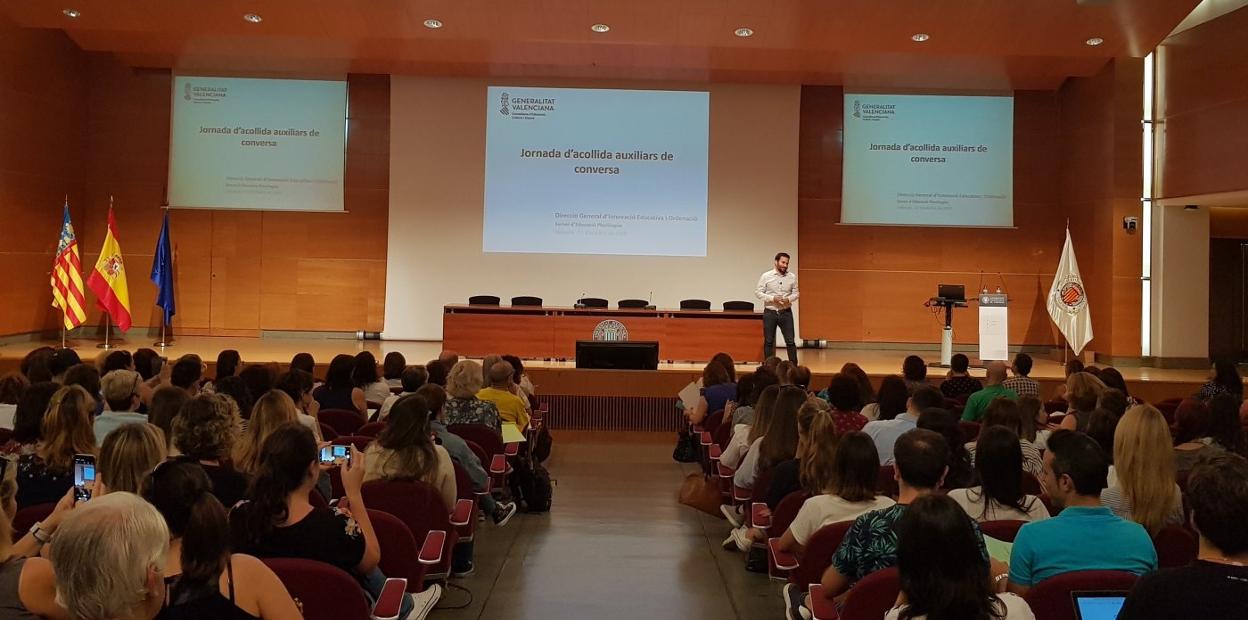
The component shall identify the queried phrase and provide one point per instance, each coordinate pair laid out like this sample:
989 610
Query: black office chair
695 304
632 303
483 300
525 300
739 305
592 302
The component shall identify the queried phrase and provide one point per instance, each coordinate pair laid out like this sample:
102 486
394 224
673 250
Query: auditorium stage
564 379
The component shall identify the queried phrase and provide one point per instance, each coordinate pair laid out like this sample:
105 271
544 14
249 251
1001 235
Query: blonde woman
130 452
1083 391
44 476
1145 491
463 406
270 413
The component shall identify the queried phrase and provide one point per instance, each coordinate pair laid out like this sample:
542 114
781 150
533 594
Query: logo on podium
610 330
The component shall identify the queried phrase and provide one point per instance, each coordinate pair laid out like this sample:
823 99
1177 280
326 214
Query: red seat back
723 435
399 551
886 483
419 506
327 432
873 596
782 517
1050 599
28 516
1001 530
480 434
326 592
482 456
970 430
342 421
372 429
1176 546
1031 484
713 421
818 553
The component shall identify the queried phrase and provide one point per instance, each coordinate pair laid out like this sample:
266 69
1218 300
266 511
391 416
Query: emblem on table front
610 330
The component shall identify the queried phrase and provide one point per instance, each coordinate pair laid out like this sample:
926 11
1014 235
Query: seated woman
279 522
28 418
1005 412
167 401
339 390
716 391
844 395
392 369
744 435
1035 427
1224 424
203 579
130 452
273 411
44 476
228 363
943 571
405 451
1144 488
297 385
1083 391
961 474
841 476
365 377
206 430
27 584
999 496
463 406
1192 439
890 401
1223 378
778 442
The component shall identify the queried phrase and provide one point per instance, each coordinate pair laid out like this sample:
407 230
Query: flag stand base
164 341
106 346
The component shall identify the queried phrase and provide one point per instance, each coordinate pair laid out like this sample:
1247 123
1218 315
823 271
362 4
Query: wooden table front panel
570 328
529 336
692 338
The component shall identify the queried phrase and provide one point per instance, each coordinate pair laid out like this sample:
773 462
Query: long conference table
545 332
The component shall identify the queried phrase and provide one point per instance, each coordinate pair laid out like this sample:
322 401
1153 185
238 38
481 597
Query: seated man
922 458
959 381
1216 585
994 389
121 399
412 378
1086 535
885 432
511 409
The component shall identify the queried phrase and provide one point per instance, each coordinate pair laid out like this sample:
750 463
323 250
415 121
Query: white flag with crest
1068 300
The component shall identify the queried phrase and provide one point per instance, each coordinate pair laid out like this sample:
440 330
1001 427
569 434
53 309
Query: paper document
512 434
689 395
998 549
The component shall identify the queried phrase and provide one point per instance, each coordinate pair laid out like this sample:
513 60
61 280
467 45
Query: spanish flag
108 279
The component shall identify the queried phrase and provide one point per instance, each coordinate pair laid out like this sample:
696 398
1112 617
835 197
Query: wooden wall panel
42 146
1202 100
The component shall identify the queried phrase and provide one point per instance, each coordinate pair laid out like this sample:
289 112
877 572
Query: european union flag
162 272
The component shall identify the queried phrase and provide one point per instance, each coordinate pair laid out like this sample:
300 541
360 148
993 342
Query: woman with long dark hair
914 371
890 401
960 473
203 579
1224 426
392 369
717 391
1192 439
744 435
405 450
339 390
944 574
228 362
779 441
866 393
999 496
365 377
1223 377
278 521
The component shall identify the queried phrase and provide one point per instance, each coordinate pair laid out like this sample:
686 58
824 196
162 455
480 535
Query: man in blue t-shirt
1086 535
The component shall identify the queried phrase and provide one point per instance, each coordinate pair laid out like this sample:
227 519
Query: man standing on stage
778 290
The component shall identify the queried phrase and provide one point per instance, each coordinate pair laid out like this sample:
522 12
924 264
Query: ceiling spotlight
600 28
920 37
744 32
433 24
253 18
72 13
1094 41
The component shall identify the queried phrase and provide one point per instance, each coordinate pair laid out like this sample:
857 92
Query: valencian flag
108 280
162 272
1068 300
67 291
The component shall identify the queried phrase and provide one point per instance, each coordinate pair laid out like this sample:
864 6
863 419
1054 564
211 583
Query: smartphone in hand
336 455
84 477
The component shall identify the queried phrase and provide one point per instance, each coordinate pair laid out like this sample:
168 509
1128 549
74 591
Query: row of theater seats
873 596
598 302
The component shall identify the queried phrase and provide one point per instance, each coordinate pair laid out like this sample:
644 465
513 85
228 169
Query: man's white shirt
772 283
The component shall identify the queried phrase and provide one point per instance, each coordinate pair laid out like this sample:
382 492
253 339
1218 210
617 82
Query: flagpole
163 342
107 325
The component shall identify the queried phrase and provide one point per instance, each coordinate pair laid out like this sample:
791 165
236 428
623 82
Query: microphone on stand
579 301
650 301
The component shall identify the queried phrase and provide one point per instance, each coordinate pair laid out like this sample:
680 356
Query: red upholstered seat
326 592
818 553
1050 599
464 517
970 430
399 550
1001 530
869 599
342 421
886 483
1176 546
421 508
372 429
327 432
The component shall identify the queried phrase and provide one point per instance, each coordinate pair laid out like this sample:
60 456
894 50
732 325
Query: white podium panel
994 327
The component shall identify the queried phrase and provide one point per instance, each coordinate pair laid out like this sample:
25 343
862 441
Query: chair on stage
592 302
483 300
525 300
635 304
739 305
695 304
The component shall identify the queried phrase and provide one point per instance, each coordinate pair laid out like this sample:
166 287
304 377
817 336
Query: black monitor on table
621 355
951 292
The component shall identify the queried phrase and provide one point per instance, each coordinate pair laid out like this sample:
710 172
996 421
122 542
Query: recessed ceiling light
253 18
600 28
1095 41
433 23
72 13
744 32
919 37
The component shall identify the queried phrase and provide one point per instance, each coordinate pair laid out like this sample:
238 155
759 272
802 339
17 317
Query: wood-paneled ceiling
981 44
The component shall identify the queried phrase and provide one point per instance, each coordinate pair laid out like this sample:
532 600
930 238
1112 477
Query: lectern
948 296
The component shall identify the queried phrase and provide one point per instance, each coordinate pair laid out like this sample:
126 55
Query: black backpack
531 486
541 444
